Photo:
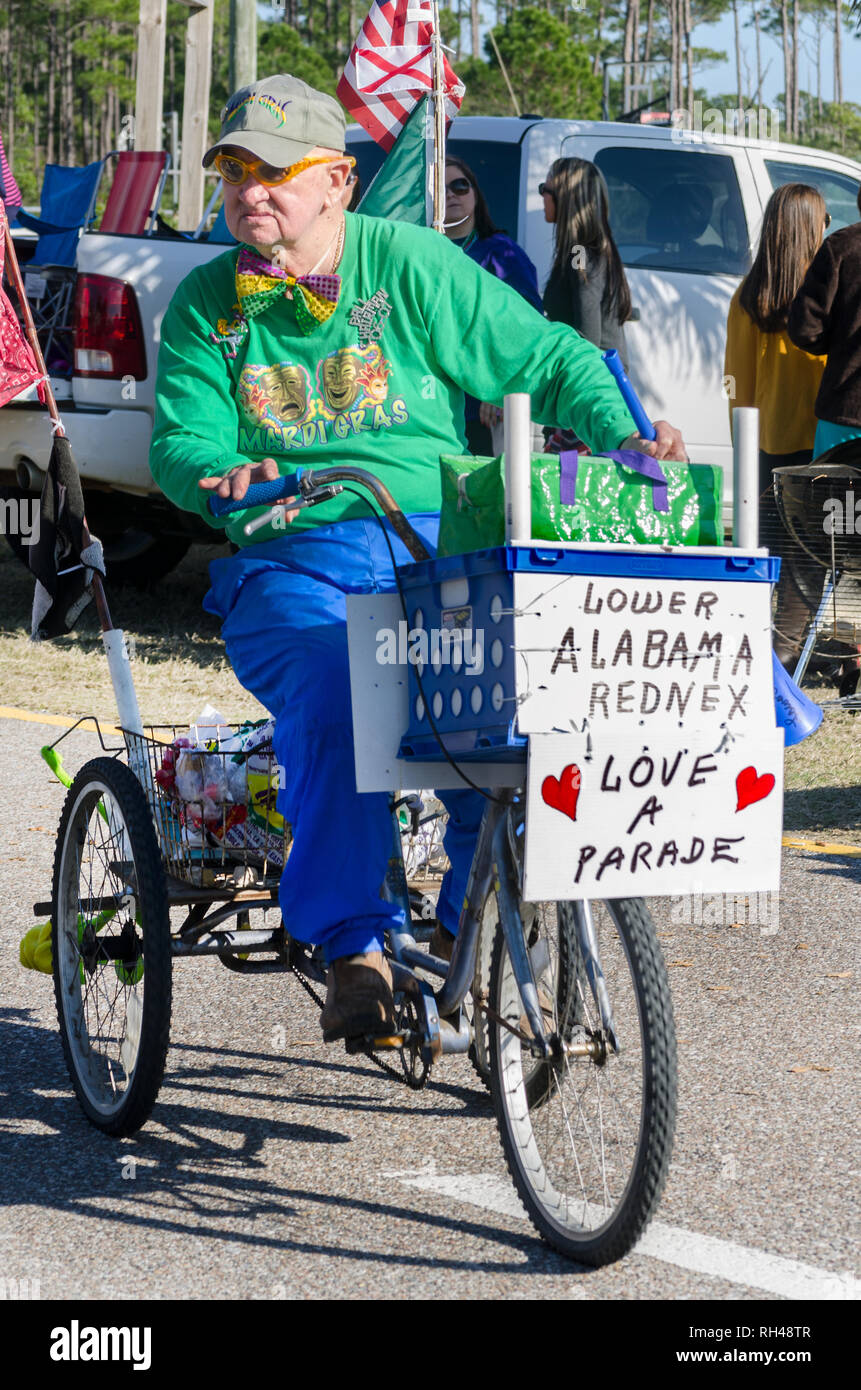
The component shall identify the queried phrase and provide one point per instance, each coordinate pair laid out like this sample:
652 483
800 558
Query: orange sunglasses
235 170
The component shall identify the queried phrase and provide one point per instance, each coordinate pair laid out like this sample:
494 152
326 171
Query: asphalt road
274 1167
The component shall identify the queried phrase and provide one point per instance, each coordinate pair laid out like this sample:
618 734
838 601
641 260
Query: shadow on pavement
71 1167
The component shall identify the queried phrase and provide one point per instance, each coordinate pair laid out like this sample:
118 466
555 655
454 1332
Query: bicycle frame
494 859
444 1028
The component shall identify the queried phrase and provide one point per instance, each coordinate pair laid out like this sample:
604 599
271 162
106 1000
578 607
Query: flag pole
113 638
439 125
14 271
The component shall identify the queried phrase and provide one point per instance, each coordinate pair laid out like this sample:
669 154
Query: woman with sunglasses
586 287
470 226
764 368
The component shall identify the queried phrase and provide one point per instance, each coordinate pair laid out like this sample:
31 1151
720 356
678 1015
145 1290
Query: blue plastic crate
474 709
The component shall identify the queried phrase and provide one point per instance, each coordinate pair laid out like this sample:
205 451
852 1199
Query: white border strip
709 1255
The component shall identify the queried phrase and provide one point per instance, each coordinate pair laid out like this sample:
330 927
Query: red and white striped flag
390 69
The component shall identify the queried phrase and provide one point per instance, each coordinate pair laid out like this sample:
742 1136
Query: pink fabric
10 191
18 368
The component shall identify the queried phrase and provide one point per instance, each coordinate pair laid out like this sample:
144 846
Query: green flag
398 190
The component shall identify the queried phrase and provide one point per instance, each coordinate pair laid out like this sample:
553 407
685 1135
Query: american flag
390 69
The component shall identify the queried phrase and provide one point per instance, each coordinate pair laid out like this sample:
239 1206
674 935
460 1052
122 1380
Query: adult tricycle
564 1007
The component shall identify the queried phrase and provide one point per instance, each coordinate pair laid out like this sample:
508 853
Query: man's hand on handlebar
667 445
236 483
489 415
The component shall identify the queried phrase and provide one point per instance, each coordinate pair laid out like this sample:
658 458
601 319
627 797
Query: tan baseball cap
280 120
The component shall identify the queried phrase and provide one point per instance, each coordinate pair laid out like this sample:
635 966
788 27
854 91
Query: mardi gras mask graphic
276 395
340 379
353 377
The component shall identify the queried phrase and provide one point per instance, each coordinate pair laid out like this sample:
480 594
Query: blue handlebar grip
645 428
258 495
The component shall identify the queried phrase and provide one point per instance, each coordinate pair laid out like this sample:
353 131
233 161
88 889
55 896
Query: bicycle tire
479 1048
617 1173
112 987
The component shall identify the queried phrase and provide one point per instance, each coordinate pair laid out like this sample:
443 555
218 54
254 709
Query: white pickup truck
685 210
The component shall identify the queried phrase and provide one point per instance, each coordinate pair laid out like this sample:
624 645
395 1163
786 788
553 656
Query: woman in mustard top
763 368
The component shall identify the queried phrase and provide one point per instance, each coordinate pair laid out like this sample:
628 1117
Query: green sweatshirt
384 393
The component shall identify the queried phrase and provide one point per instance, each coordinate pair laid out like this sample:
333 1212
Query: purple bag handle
643 464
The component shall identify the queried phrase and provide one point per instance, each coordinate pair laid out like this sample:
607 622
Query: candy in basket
220 784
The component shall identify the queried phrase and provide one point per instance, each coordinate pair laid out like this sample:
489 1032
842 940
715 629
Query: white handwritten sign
640 655
611 817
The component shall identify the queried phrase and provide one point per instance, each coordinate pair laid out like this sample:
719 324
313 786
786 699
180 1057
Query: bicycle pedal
387 1042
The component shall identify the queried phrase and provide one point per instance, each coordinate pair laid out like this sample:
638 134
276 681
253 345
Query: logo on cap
276 108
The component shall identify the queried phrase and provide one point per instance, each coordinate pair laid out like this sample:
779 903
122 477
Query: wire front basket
214 809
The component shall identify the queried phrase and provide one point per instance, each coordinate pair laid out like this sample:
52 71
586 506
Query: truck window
839 190
368 156
495 163
676 209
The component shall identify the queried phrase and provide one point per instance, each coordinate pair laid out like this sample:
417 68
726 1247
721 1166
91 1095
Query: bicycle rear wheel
587 1136
111 947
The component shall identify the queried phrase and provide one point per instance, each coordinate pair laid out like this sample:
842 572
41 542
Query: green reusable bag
581 498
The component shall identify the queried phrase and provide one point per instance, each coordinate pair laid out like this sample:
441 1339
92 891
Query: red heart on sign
750 788
562 792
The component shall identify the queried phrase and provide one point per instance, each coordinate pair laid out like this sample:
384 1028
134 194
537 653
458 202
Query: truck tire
140 559
132 557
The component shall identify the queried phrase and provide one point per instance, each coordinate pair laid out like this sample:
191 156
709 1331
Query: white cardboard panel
381 711
592 800
700 659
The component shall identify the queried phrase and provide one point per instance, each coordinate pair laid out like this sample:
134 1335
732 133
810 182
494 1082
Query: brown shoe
359 997
442 942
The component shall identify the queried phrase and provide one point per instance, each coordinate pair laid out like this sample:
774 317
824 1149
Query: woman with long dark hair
469 225
764 368
587 287
826 317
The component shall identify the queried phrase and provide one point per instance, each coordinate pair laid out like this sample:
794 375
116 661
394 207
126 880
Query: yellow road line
818 846
87 725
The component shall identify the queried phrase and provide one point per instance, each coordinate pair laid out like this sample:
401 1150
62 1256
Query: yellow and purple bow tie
259 284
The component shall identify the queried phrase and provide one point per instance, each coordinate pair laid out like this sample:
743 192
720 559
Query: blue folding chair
67 207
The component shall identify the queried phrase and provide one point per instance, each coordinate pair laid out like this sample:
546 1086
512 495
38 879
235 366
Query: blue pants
283 606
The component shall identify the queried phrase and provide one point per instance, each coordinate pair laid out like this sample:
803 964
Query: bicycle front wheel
111 947
588 1135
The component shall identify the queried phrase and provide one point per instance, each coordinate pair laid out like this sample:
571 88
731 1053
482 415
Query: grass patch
179 663
178 657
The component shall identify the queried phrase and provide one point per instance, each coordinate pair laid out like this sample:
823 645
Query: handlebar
613 362
258 494
312 486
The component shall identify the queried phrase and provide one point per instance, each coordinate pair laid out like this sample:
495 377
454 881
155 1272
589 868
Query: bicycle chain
400 1076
